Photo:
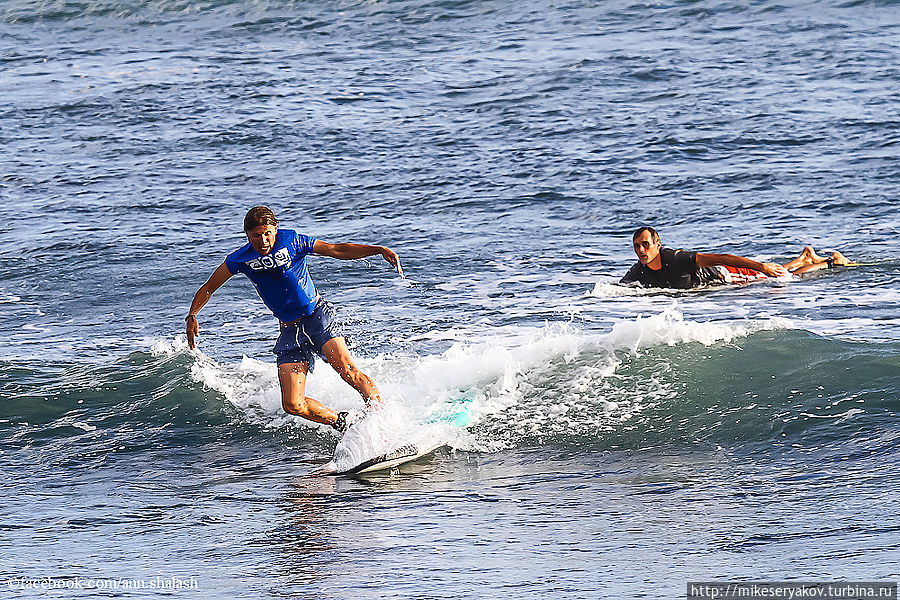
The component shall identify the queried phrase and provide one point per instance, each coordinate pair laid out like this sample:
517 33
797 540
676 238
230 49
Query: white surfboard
428 437
394 458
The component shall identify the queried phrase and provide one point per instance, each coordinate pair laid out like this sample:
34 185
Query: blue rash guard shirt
281 276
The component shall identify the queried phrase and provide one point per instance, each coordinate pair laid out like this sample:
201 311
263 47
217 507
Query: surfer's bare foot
839 259
809 252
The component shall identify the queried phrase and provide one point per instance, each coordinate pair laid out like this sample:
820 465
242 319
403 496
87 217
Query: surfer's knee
350 373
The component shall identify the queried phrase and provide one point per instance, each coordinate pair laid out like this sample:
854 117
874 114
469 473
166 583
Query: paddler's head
646 244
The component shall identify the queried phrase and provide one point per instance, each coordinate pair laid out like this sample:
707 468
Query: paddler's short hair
654 237
259 215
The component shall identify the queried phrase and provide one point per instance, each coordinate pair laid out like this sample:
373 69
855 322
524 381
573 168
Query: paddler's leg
806 258
292 377
338 356
836 259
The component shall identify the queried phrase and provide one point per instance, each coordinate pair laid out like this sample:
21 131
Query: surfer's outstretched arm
354 251
730 260
806 262
215 281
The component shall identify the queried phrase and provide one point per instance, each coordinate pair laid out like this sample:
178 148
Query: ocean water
623 442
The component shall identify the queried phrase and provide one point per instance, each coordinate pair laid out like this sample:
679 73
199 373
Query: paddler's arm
219 276
354 251
730 260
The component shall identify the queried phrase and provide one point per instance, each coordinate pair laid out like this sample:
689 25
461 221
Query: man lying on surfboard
680 269
275 261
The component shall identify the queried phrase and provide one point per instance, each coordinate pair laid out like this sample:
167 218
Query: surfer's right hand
774 270
391 256
193 329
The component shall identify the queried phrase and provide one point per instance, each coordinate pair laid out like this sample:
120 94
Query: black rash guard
679 271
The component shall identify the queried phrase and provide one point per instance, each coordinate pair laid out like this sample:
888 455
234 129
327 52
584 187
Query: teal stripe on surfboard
457 412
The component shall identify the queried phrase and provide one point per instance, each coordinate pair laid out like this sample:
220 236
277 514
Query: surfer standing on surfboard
275 261
680 269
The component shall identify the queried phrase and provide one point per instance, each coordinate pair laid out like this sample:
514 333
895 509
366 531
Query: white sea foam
611 289
169 347
670 327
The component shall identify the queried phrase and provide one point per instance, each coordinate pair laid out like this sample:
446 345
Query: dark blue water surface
622 442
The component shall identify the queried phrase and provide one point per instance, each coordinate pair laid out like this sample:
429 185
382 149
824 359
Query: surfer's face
262 238
646 249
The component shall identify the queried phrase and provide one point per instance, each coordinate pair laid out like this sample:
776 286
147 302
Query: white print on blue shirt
282 258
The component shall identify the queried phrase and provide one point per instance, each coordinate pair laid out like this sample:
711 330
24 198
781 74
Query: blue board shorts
301 340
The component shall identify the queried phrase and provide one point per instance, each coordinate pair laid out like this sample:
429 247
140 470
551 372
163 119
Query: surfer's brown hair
654 237
258 216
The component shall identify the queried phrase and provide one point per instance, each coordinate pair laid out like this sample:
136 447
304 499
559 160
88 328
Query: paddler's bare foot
839 259
807 257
